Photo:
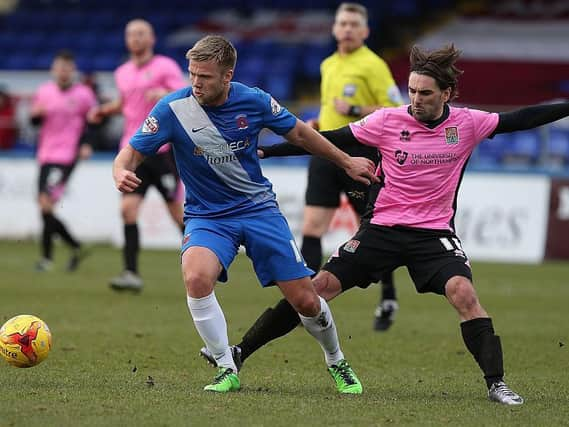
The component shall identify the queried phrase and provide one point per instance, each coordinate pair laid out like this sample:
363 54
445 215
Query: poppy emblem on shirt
186 239
242 122
401 156
351 246
150 125
451 135
404 135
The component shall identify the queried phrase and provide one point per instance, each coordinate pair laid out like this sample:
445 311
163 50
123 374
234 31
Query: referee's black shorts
326 182
432 257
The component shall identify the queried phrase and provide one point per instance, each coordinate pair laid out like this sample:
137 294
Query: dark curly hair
438 64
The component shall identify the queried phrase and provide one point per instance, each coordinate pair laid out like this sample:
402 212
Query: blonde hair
354 8
214 48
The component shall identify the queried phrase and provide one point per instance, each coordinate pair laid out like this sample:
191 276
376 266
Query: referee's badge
351 246
451 135
349 90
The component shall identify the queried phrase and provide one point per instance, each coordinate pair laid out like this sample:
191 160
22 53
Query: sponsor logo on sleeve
351 246
275 106
150 125
451 135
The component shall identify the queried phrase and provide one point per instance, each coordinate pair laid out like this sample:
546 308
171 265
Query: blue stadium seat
557 146
307 113
279 86
491 151
524 148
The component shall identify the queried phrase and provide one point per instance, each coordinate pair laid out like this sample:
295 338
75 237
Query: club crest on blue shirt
451 135
275 106
242 122
349 90
150 125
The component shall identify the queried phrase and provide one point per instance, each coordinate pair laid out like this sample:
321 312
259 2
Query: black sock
47 236
312 252
273 323
478 335
388 287
60 229
131 247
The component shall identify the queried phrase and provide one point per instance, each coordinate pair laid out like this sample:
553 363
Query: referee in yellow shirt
355 82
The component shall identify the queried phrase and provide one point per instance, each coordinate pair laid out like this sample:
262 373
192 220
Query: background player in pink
61 107
141 82
424 149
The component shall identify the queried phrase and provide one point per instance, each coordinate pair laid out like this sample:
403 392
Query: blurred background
516 52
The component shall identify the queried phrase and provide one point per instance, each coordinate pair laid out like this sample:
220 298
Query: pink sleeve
38 97
90 99
484 123
368 129
173 76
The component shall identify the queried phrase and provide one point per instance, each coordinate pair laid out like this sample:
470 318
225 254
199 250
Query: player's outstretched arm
124 166
341 138
531 117
358 168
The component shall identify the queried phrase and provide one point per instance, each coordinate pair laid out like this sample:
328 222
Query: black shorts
432 257
53 177
326 182
159 171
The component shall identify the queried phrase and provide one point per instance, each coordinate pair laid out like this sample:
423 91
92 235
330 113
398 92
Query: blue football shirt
216 148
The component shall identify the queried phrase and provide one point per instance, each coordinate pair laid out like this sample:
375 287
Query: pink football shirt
133 83
63 122
422 167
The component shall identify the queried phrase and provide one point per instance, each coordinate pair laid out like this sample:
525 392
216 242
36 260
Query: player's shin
323 328
212 328
272 324
478 335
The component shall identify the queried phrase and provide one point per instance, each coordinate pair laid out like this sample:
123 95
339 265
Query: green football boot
346 380
226 380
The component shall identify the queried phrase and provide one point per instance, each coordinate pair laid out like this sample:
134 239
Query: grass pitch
122 359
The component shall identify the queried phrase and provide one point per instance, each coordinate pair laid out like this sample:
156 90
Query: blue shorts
267 238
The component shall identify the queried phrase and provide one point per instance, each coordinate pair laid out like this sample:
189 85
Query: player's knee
326 285
306 303
197 285
461 293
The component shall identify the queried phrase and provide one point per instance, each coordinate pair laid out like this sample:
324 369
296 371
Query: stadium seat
279 86
557 147
490 152
524 148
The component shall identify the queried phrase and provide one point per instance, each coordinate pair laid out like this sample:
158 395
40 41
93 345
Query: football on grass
25 341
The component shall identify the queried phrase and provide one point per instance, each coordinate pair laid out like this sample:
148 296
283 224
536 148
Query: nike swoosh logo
198 129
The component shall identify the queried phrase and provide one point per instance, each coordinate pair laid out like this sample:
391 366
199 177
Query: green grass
106 345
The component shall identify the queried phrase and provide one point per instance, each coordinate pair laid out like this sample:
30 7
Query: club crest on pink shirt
451 135
150 125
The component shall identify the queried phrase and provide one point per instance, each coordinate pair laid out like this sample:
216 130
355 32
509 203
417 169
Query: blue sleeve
276 117
155 131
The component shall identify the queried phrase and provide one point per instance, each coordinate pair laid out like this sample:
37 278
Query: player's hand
126 181
95 115
342 106
154 95
85 151
313 123
362 170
